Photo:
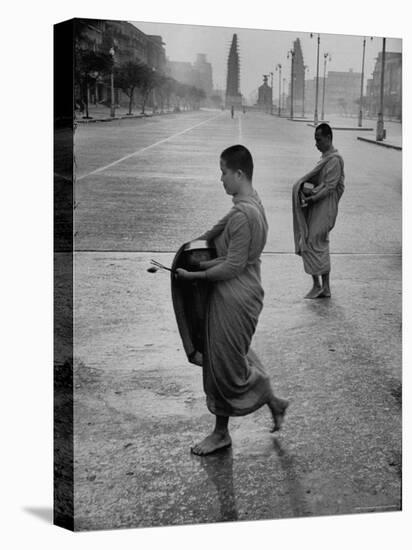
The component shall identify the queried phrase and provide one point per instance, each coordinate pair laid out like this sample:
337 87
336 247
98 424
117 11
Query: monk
315 207
234 379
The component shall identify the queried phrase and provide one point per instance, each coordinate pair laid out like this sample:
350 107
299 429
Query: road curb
381 143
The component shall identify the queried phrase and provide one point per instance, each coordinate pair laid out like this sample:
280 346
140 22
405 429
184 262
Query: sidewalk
100 113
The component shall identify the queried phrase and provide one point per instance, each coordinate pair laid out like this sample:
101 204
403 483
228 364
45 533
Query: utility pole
279 68
112 108
380 131
291 53
361 86
326 57
315 118
271 93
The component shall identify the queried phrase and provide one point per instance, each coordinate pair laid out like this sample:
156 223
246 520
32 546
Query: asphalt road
139 405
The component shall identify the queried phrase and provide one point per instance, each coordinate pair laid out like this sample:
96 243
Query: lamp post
112 109
271 93
380 131
279 68
283 93
315 118
291 53
326 56
361 88
305 68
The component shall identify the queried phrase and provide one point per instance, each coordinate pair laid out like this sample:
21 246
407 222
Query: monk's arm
216 229
234 262
330 179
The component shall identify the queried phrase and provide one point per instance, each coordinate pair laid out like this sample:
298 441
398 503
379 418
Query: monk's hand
185 275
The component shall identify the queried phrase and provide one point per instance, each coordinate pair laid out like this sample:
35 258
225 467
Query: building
198 74
125 42
338 93
392 89
310 96
204 74
265 98
342 92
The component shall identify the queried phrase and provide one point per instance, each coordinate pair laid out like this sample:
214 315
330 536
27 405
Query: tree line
131 77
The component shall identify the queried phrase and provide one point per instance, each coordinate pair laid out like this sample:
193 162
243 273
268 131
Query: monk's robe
313 223
234 380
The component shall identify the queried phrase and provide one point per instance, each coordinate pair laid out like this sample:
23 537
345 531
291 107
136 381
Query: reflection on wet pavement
296 492
219 470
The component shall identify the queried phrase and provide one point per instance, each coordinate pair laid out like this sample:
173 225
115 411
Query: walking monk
315 207
234 379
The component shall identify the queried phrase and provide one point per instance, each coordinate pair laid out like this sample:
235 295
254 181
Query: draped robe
312 223
234 380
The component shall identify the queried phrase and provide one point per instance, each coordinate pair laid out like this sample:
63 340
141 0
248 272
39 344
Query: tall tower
233 96
298 77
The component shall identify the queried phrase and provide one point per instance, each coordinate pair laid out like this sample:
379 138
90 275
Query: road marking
102 168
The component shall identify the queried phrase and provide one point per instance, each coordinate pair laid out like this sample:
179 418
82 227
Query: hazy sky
261 50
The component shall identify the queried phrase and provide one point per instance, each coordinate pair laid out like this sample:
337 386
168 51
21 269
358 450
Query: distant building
310 96
264 101
182 71
392 90
198 74
342 93
204 74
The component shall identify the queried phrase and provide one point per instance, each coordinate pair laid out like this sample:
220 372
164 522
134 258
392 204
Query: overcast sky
261 50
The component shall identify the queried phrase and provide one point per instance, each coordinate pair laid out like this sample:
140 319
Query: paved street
143 187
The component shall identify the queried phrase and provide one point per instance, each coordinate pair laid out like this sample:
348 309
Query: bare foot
212 443
278 413
325 293
313 293
322 292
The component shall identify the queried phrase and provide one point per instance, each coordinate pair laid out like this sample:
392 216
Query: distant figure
244 109
232 111
315 207
234 379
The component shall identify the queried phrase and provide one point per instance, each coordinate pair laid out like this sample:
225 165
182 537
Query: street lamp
279 68
361 88
380 131
315 118
271 93
112 108
283 92
326 57
291 53
306 68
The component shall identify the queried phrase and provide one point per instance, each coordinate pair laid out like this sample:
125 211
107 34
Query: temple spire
233 96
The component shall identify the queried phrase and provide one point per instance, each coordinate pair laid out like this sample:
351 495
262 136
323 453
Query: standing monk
315 207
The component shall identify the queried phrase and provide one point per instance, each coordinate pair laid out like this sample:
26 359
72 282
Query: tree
147 85
130 76
88 66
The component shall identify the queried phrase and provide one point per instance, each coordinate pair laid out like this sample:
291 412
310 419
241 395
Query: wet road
168 191
139 405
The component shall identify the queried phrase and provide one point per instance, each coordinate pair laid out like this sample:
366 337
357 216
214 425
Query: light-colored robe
312 223
234 379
